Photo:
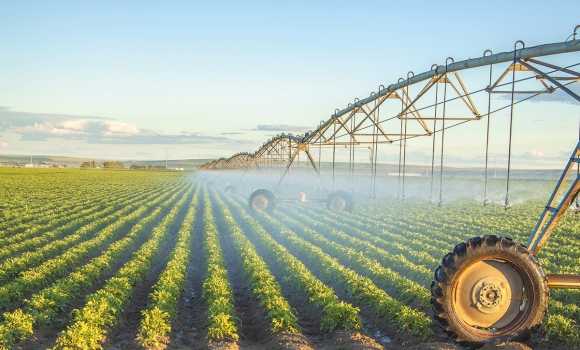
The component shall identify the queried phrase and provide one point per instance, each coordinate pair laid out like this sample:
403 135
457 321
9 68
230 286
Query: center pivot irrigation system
488 289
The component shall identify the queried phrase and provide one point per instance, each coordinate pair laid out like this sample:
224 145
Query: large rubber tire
339 201
262 200
489 290
230 189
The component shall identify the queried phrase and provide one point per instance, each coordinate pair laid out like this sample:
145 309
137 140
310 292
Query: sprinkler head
507 204
486 202
440 202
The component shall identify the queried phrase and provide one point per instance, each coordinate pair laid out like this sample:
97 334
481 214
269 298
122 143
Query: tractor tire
489 290
262 200
230 189
339 201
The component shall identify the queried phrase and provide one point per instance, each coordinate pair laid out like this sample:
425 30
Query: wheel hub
337 204
260 202
488 294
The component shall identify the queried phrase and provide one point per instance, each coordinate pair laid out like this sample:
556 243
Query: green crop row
47 272
10 267
162 307
45 305
216 289
53 215
360 288
336 314
90 323
406 290
57 210
28 240
261 281
424 248
50 203
393 258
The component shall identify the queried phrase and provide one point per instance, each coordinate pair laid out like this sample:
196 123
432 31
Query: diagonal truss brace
519 67
552 214
464 95
301 147
553 80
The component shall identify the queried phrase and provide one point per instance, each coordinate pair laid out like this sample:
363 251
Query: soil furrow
253 328
188 329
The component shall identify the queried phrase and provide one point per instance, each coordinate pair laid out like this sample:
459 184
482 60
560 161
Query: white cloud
3 144
542 155
121 128
44 126
77 125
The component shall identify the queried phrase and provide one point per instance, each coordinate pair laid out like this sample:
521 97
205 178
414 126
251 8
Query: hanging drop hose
485 199
577 205
319 156
333 149
298 159
434 139
404 157
405 135
352 125
289 160
351 154
400 158
443 133
376 145
400 146
372 158
507 191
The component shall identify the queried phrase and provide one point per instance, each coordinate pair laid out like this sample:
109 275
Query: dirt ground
348 340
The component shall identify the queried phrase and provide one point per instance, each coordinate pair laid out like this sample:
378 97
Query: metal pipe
563 281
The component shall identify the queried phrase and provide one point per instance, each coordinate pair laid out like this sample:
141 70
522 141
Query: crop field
121 259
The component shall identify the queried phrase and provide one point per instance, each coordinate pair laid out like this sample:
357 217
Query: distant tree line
106 165
148 167
89 165
119 165
113 165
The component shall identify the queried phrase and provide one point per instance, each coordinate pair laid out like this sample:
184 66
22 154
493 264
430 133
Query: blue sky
127 79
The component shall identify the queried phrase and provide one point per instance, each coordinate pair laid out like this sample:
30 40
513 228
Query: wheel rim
489 296
260 202
337 204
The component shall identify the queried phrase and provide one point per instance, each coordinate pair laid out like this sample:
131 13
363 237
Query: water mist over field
456 185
